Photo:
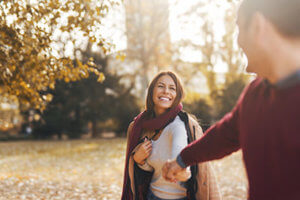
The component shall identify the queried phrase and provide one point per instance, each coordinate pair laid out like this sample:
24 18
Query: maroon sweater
265 124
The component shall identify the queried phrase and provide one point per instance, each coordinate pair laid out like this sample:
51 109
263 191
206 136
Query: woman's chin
165 106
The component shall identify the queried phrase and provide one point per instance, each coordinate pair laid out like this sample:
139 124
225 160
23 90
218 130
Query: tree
226 98
76 104
29 62
148 38
215 48
230 53
235 79
202 111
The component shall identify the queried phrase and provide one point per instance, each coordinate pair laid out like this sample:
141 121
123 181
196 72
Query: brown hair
284 14
179 91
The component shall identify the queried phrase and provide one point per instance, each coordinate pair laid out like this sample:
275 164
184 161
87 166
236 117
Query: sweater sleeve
218 141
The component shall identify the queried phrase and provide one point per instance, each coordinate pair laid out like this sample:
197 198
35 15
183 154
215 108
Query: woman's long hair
179 91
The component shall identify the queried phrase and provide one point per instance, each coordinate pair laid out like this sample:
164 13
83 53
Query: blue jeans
151 196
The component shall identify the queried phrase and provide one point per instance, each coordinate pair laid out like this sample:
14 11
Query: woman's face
164 94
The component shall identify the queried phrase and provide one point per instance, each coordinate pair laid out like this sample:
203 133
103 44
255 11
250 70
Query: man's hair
284 14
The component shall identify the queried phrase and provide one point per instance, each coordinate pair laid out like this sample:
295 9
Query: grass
85 169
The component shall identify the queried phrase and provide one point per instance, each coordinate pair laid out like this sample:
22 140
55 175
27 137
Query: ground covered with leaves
86 170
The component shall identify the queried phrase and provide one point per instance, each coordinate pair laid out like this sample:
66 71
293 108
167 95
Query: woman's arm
141 153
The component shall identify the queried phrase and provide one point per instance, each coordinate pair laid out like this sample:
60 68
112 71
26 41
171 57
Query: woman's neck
158 112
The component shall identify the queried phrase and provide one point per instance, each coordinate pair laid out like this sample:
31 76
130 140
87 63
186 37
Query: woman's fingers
147 145
148 150
148 142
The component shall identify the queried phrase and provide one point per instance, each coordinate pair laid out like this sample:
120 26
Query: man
265 123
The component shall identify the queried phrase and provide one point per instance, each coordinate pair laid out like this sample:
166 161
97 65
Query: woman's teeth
164 99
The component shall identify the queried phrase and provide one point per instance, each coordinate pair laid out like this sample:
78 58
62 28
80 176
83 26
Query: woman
156 135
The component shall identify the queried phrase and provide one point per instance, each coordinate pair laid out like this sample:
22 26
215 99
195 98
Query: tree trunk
94 128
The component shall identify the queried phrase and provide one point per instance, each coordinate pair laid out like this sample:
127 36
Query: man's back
269 124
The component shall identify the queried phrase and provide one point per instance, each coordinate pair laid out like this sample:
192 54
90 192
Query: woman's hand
143 152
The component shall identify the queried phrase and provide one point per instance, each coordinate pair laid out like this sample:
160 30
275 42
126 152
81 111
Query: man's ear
259 27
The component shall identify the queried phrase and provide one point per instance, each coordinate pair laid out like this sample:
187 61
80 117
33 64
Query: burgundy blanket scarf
141 123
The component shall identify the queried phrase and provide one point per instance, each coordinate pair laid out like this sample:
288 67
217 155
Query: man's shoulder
256 82
252 88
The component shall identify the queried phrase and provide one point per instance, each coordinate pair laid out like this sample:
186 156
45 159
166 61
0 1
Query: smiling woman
165 91
157 135
164 94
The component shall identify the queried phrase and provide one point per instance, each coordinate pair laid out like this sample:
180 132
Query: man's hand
170 170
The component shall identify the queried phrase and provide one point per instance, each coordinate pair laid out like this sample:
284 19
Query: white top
169 144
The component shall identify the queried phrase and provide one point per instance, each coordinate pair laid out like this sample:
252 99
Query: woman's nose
166 90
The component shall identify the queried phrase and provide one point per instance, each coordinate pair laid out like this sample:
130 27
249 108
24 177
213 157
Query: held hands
172 172
143 152
183 175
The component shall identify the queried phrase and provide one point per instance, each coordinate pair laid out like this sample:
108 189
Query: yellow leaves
43 170
71 19
48 97
101 78
87 169
86 147
79 63
92 39
67 79
52 85
27 32
36 117
13 68
121 56
91 62
98 9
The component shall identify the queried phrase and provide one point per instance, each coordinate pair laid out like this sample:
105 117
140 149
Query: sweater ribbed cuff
180 162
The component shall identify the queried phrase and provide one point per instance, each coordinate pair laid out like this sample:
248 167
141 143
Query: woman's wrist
140 162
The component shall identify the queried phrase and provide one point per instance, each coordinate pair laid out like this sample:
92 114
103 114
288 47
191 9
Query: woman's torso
171 141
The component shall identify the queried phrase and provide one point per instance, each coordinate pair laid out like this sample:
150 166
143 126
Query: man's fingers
165 170
171 175
170 170
168 173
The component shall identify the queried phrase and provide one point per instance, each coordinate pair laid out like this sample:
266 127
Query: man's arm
218 141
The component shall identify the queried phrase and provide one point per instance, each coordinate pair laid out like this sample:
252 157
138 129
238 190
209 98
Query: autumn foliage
29 31
86 169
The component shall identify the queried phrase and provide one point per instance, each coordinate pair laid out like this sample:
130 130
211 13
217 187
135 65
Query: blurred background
74 74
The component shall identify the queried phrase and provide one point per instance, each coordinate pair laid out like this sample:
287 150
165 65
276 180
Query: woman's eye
160 86
172 89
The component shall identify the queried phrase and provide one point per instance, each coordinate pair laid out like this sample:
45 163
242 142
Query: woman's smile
164 94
